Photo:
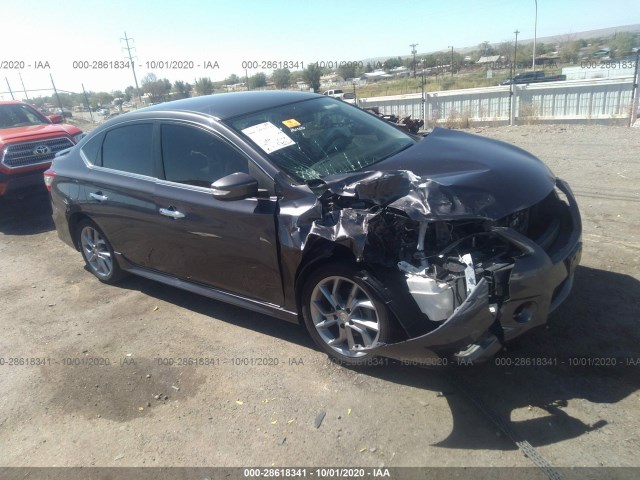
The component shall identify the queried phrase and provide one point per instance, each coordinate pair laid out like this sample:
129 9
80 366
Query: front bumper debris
538 283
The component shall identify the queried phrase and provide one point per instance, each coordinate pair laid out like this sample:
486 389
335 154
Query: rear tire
341 311
97 253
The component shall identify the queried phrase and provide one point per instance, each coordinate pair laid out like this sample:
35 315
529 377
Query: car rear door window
129 149
195 157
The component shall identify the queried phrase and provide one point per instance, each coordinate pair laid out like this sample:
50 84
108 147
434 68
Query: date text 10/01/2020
345 472
151 64
183 361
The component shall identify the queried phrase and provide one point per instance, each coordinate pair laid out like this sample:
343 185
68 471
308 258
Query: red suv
28 143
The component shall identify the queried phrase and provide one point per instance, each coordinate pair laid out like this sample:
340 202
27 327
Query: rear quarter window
92 149
129 149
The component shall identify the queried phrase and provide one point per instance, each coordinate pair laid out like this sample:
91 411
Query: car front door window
195 157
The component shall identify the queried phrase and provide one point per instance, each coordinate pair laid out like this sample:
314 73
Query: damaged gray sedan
308 209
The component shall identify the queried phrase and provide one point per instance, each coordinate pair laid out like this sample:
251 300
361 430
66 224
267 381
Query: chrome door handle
98 196
171 213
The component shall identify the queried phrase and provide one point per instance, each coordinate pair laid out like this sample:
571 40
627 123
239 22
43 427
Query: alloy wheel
96 252
344 315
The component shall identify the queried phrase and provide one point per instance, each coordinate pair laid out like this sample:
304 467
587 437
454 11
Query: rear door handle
171 213
98 196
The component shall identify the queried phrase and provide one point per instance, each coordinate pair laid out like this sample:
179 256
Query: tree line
569 50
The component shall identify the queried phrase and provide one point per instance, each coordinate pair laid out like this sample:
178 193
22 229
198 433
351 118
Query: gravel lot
258 400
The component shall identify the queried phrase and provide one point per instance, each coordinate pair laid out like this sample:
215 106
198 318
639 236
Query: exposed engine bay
442 247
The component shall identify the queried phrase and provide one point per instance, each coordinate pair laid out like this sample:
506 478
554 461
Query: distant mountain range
601 32
586 35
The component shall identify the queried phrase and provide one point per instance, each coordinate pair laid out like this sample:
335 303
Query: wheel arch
73 222
114 272
317 252
341 274
322 252
387 284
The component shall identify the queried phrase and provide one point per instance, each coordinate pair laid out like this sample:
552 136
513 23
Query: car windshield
319 137
17 115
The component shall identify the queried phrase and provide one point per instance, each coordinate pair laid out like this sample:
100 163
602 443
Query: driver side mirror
55 118
236 186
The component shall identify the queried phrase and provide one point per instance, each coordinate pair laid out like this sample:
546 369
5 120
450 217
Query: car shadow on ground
219 310
589 351
28 214
526 389
431 381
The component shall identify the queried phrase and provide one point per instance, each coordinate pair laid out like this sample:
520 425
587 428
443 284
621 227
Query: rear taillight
49 175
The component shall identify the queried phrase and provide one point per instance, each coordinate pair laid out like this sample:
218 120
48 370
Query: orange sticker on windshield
291 123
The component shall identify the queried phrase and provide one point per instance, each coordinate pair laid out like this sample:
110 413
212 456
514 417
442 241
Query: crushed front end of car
463 263
486 282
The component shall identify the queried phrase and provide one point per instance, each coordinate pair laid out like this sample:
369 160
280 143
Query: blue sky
230 32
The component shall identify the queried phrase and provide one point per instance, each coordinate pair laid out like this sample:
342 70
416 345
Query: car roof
227 105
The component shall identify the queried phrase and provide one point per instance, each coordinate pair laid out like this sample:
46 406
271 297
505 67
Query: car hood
451 174
8 134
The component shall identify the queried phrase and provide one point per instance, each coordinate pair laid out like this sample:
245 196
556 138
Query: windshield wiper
395 153
315 182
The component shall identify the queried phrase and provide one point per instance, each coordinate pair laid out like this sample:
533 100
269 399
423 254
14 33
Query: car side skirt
210 292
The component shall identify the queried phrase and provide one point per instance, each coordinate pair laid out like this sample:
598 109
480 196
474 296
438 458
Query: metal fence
577 101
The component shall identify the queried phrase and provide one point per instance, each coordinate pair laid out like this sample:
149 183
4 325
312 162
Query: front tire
342 312
97 253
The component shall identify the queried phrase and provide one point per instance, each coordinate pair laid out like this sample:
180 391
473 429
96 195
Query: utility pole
23 89
424 107
9 86
414 51
515 52
535 34
86 99
57 96
133 67
451 47
511 85
634 92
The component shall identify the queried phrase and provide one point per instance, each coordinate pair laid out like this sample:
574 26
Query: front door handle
98 196
171 213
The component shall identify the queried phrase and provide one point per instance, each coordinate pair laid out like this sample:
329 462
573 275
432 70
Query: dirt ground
97 387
